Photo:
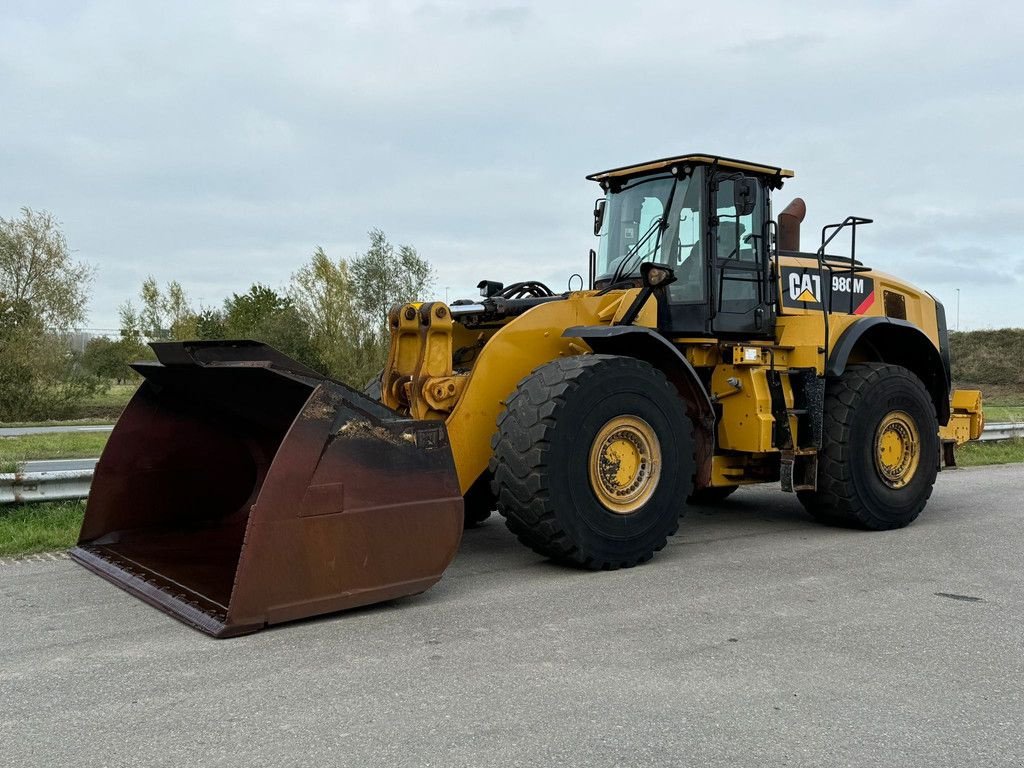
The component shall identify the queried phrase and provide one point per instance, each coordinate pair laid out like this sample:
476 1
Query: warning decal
802 289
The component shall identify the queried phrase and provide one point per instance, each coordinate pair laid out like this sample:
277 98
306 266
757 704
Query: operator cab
705 217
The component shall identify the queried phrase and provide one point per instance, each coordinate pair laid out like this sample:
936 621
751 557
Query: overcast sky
218 143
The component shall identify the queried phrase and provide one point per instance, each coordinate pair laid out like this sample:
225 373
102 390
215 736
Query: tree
382 278
180 315
210 324
151 316
323 292
164 315
323 295
43 294
333 317
109 360
131 322
39 281
346 303
250 310
262 314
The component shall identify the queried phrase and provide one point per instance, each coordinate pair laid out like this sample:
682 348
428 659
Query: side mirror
656 275
599 215
745 195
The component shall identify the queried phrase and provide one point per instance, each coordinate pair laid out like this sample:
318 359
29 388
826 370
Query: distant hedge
988 357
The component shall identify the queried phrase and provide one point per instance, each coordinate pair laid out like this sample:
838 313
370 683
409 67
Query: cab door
741 299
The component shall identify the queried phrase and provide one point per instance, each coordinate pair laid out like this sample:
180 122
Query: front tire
593 461
880 455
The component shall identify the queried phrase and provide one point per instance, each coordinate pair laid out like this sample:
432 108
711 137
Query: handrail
823 264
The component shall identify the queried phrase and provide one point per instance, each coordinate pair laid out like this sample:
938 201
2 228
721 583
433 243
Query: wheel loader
708 349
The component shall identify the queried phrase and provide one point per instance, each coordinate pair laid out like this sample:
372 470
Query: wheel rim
897 449
625 464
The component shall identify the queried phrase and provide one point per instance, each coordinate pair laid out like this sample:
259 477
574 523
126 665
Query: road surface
757 638
57 465
19 431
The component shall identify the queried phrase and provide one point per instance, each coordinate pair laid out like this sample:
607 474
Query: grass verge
108 404
54 445
999 414
982 454
29 528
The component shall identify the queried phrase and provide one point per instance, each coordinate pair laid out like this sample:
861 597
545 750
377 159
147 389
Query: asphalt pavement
57 465
756 638
20 431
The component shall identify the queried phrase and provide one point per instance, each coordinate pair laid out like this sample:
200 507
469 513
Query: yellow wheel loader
709 351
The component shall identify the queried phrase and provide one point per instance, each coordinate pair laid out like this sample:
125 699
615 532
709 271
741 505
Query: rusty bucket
240 489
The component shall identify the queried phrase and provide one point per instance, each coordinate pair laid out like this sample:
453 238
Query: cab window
738 249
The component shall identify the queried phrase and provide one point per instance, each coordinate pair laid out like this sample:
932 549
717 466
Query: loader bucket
240 489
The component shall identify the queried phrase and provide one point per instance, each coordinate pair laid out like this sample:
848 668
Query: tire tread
519 456
836 501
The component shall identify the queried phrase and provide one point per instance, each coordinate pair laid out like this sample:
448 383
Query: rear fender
889 340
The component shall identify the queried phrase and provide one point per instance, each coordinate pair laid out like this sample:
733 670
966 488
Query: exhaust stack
789 225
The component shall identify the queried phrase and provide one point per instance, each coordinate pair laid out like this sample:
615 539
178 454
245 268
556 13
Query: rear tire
881 449
581 427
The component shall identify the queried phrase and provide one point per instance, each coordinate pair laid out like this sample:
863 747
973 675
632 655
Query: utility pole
446 294
958 309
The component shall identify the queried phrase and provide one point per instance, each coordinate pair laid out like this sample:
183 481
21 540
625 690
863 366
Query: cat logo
842 291
804 287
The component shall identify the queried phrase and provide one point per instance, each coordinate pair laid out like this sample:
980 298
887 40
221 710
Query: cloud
956 266
218 142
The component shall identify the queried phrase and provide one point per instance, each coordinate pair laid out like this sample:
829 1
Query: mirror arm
636 306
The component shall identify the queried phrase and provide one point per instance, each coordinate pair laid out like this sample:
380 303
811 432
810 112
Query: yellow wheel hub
897 449
625 464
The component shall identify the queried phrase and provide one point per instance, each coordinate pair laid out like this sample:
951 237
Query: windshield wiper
660 223
620 270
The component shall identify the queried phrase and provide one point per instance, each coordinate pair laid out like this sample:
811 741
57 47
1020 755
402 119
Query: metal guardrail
44 486
74 484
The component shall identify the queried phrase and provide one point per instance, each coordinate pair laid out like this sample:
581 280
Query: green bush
109 360
43 295
40 378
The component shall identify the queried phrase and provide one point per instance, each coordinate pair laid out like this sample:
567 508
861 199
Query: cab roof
657 165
